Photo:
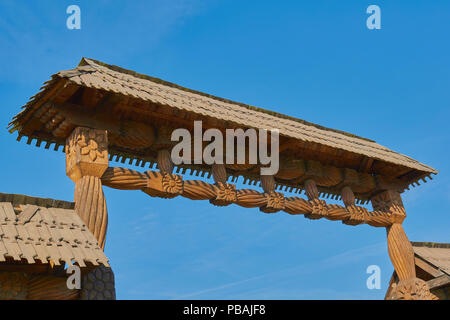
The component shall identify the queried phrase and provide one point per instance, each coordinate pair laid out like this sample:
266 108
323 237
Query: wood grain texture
47 287
158 184
401 252
90 205
86 162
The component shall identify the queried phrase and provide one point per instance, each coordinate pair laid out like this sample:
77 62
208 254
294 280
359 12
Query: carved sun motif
226 192
172 184
275 200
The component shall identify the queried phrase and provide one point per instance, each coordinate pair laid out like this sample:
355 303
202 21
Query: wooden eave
117 99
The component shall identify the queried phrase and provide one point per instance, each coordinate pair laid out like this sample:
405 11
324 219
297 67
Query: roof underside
42 233
437 254
143 93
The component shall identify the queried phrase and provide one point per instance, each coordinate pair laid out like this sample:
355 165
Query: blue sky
314 60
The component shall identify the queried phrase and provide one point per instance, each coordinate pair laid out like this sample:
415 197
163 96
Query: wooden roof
103 89
437 254
49 231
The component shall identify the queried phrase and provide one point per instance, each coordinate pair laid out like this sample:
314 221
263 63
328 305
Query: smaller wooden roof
437 254
44 230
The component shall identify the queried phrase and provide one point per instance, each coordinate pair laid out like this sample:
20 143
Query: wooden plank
28 213
439 281
425 266
8 211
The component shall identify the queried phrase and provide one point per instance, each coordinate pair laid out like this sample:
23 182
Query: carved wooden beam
86 162
165 185
128 134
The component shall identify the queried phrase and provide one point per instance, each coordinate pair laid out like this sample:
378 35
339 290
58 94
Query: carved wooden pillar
399 247
400 250
86 161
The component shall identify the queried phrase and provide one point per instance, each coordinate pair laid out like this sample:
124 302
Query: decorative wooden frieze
151 182
86 162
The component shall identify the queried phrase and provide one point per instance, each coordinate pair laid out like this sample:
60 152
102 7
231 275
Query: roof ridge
17 199
430 244
88 61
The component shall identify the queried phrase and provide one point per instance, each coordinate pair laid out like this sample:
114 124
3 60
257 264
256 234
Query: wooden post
400 250
86 161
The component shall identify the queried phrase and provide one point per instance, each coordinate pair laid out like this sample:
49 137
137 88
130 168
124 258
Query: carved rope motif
165 185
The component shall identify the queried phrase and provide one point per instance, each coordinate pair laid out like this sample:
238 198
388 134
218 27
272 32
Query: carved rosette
86 153
275 202
319 209
172 185
225 194
411 289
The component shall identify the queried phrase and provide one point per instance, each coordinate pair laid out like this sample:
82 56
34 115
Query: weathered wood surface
86 161
438 282
166 185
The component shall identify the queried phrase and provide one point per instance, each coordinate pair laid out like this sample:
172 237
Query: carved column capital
390 201
86 161
86 153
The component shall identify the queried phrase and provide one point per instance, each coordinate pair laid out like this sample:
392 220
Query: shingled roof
437 254
44 230
341 147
